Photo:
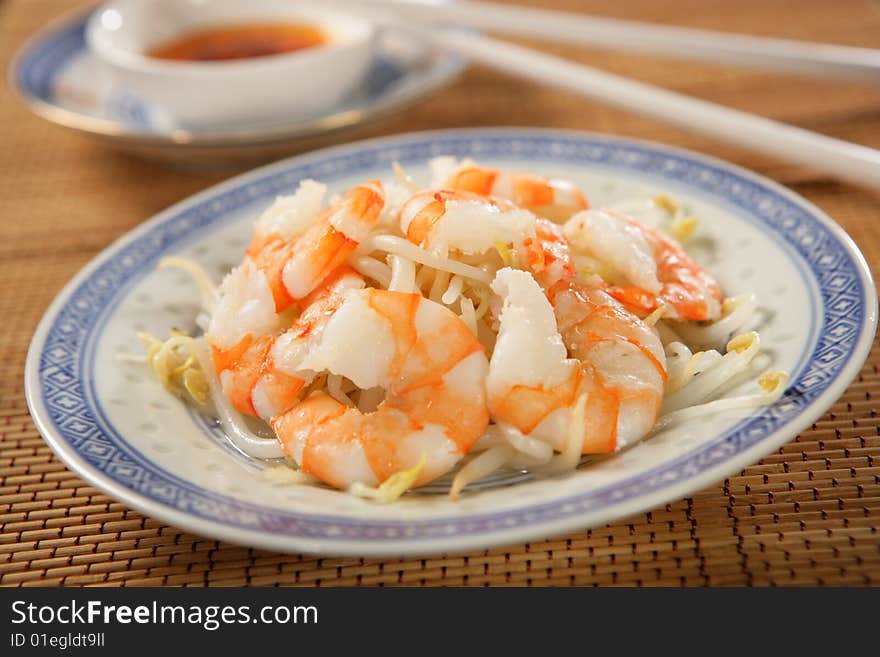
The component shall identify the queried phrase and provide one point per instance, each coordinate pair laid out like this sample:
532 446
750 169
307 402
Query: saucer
61 80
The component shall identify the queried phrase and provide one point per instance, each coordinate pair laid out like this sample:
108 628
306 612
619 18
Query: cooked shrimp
487 320
549 259
444 220
243 349
449 220
617 365
661 213
584 313
244 307
431 367
297 248
551 198
646 269
291 216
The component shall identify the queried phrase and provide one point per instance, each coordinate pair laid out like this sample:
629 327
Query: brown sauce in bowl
240 41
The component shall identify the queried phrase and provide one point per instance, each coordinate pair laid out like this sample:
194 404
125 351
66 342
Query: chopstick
799 57
854 163
847 161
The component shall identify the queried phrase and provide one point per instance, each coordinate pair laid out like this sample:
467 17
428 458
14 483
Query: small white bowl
290 85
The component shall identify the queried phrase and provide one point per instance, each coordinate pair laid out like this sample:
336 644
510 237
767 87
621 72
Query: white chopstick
800 57
851 162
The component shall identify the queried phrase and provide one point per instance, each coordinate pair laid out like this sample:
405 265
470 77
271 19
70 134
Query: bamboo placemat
807 514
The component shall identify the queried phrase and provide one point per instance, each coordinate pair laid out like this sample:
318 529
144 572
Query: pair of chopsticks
430 23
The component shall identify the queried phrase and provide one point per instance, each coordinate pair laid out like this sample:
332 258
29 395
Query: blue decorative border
66 380
37 68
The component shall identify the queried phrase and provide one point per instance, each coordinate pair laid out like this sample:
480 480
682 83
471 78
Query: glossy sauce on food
240 41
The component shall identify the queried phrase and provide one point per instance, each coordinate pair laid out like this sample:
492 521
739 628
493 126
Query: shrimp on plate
589 346
450 221
297 246
589 319
443 220
247 371
549 259
486 320
431 369
551 198
645 269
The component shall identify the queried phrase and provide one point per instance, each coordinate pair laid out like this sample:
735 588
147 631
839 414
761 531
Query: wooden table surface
807 514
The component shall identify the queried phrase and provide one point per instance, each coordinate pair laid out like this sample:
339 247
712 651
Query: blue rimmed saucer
60 80
119 429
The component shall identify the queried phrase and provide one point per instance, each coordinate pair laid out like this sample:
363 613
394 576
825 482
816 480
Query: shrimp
549 258
444 220
431 367
582 346
551 198
297 248
243 348
596 329
646 269
450 220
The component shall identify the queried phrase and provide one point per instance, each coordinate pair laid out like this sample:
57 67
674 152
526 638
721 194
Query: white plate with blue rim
60 79
112 423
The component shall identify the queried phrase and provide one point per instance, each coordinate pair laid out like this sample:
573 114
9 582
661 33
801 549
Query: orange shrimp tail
685 283
543 196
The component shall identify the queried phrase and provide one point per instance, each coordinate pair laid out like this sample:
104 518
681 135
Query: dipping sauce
240 41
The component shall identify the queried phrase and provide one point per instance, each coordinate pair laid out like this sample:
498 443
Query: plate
115 426
59 79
